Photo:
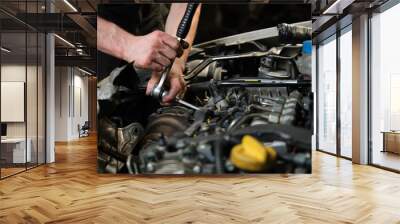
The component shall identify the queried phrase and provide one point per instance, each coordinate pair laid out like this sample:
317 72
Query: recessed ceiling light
5 50
84 71
70 5
337 7
335 4
65 41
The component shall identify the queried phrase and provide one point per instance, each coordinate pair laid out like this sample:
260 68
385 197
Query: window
327 95
385 89
346 92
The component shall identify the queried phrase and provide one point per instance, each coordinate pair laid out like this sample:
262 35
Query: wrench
159 91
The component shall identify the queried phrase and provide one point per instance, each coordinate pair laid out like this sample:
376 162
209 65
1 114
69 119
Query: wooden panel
392 142
92 99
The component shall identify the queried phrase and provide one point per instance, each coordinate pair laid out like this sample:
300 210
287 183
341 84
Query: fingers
183 89
155 77
153 65
176 88
170 41
175 45
168 53
157 67
172 52
163 60
164 51
157 51
161 52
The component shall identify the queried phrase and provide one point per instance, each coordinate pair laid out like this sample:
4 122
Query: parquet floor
387 159
10 171
70 191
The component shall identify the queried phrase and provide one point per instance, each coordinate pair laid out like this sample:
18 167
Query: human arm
177 84
153 51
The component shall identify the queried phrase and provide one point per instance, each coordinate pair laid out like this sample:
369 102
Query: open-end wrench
159 91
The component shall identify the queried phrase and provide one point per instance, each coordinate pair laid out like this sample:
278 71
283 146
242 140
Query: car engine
253 111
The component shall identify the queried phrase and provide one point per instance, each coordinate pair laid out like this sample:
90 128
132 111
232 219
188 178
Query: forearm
174 18
113 40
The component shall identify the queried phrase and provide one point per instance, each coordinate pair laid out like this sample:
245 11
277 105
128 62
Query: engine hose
239 121
132 165
227 115
293 34
219 168
184 25
112 151
258 107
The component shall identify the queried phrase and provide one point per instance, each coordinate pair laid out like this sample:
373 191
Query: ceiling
75 21
72 20
22 20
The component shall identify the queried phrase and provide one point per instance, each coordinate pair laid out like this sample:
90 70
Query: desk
391 141
13 150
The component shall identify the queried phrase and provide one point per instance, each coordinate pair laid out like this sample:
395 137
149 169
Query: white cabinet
16 147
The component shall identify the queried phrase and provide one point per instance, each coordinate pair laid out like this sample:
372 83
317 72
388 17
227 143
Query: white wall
81 104
61 103
71 102
12 73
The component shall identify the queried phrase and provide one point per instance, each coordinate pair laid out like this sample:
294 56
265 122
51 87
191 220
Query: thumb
173 91
152 82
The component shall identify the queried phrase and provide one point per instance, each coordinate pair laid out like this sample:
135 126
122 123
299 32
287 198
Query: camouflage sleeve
152 18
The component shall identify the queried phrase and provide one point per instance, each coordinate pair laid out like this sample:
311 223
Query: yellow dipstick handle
252 155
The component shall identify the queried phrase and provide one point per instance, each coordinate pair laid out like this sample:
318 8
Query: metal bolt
196 169
150 167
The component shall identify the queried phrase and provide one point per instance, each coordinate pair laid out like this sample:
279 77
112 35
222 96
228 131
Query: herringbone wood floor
70 191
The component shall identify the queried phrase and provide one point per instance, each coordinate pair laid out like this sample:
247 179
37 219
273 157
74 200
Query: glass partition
327 95
346 92
14 152
32 97
41 97
22 78
32 85
385 89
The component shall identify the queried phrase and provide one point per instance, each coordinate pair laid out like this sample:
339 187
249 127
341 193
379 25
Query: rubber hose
293 34
184 26
219 167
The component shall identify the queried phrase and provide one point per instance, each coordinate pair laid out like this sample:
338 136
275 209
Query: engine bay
253 111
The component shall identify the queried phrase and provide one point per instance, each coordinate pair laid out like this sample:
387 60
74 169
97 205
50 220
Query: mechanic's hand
177 85
154 51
